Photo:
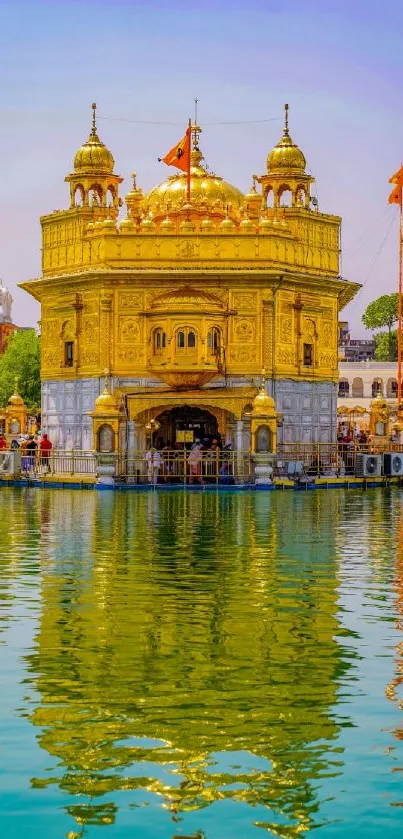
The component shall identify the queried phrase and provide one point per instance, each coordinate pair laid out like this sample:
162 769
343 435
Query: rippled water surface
189 664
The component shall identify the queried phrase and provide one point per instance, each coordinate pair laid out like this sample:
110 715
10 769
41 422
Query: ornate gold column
77 306
106 331
267 355
298 306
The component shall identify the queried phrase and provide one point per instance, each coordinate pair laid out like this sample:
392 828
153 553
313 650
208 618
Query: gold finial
196 131
263 379
134 176
286 119
94 112
16 383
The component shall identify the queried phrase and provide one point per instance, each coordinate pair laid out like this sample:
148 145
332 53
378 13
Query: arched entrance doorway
198 423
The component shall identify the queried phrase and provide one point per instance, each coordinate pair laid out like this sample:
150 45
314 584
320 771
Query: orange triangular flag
397 178
179 155
395 196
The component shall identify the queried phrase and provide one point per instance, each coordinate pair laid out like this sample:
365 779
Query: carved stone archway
228 405
231 400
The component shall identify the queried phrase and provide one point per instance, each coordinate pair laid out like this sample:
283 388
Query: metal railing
180 467
207 467
59 462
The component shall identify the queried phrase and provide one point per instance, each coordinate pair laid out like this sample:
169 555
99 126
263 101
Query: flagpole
399 315
190 153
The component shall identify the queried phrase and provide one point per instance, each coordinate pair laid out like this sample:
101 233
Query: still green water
175 662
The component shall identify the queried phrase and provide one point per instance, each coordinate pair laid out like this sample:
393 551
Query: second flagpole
189 131
399 315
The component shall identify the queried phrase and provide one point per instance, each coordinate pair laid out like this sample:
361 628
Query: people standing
154 462
212 457
3 442
31 449
24 454
45 448
195 460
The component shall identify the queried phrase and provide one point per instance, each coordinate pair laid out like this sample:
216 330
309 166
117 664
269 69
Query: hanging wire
380 249
375 260
365 234
156 122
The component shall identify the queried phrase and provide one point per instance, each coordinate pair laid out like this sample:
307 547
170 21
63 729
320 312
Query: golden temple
184 301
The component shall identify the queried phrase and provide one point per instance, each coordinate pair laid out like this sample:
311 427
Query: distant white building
6 302
361 381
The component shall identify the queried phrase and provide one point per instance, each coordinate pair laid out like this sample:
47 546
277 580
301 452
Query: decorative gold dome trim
209 193
93 156
286 155
105 402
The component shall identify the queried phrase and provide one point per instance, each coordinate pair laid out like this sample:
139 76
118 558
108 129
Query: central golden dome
208 193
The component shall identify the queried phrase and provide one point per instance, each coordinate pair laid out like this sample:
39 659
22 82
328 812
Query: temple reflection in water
194 662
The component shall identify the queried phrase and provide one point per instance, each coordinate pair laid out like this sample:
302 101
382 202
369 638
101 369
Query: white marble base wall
309 411
65 408
308 408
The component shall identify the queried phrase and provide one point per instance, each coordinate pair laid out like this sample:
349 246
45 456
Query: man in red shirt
45 447
3 442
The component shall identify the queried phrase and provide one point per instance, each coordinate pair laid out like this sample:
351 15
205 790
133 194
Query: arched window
270 197
377 387
159 341
106 438
79 196
391 388
95 195
344 387
110 196
263 439
285 196
213 340
186 339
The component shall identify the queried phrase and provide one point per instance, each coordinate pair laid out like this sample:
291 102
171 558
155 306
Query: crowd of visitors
206 461
35 450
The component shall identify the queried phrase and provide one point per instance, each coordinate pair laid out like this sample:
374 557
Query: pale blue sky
338 64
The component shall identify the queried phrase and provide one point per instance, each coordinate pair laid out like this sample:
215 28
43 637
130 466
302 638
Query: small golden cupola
106 402
15 398
210 196
134 200
93 183
253 202
286 183
263 403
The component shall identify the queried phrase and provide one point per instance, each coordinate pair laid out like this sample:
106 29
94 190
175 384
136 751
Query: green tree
382 312
21 359
382 346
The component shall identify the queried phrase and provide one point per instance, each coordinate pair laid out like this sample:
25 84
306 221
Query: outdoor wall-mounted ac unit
393 463
368 465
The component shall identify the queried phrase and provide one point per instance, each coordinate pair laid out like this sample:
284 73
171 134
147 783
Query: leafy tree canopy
384 348
381 312
21 359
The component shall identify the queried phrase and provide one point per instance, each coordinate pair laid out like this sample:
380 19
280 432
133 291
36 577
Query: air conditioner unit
368 465
393 463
